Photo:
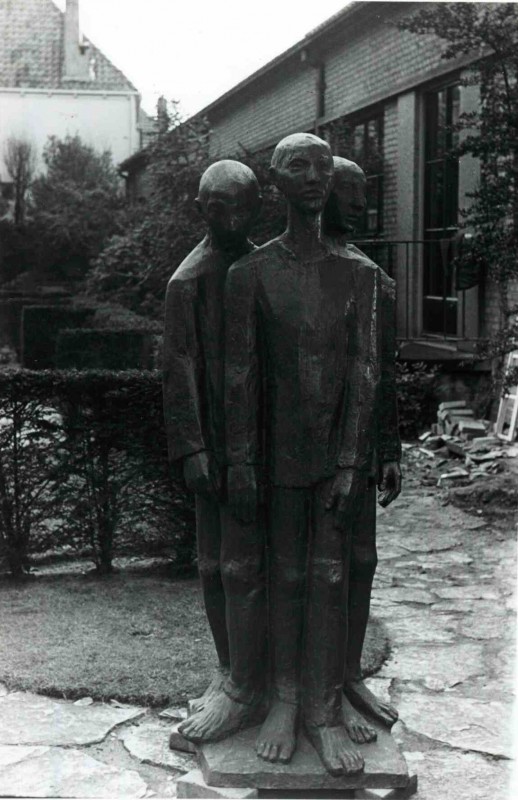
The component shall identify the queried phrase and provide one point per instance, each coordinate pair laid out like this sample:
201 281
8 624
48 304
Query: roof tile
31 50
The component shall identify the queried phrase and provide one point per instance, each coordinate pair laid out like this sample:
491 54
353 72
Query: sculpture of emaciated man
303 354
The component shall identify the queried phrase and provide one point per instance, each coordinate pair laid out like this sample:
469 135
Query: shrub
83 461
118 476
416 393
104 349
41 326
31 447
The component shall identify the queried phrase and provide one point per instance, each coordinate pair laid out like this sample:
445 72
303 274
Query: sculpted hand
343 491
389 483
242 492
201 474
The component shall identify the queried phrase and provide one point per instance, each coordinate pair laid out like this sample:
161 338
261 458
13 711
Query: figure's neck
231 250
337 232
304 233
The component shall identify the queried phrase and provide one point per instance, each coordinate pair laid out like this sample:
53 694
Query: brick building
380 96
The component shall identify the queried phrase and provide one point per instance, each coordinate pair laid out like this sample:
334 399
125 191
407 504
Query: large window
441 200
362 141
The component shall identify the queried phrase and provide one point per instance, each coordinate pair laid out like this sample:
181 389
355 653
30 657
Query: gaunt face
348 198
230 210
229 200
303 173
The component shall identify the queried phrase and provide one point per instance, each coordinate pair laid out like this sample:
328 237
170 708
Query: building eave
310 39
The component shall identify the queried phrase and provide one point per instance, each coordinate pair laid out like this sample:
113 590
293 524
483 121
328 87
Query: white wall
105 121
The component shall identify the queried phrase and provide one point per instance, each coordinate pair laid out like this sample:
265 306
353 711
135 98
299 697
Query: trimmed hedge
104 349
83 464
41 326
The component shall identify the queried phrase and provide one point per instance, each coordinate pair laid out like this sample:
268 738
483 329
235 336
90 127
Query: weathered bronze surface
231 567
306 408
343 210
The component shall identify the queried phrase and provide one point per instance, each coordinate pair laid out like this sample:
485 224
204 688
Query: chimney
76 64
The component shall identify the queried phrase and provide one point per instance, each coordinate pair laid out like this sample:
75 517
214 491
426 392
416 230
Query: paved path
445 589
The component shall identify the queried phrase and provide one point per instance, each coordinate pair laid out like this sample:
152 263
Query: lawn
138 638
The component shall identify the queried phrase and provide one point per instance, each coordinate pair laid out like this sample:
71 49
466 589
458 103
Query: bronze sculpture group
280 407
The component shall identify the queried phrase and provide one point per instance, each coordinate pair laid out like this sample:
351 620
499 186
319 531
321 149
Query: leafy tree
135 266
20 162
488 34
75 205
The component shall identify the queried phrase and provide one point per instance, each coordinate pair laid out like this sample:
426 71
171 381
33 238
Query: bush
416 393
83 462
41 326
31 449
104 349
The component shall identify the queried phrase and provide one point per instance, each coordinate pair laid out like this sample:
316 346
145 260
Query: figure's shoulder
199 262
251 262
349 250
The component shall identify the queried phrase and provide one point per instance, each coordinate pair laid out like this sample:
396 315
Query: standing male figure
230 560
346 204
303 354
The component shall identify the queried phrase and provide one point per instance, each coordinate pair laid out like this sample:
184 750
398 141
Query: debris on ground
459 448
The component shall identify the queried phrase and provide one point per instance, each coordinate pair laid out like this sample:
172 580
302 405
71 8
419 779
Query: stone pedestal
231 769
233 763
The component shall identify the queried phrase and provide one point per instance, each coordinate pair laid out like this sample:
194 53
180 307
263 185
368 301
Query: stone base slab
192 785
233 763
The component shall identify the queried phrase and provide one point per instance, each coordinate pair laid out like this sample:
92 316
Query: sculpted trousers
361 574
309 568
208 538
318 579
231 563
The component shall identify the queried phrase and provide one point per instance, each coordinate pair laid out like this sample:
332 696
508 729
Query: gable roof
32 50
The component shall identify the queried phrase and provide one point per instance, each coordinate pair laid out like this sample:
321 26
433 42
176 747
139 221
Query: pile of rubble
459 448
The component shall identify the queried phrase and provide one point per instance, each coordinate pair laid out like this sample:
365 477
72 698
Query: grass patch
137 638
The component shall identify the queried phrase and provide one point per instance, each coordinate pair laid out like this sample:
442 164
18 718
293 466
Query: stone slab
56 772
448 664
405 594
149 743
462 722
177 713
420 627
193 785
460 776
234 763
468 592
388 794
32 719
179 742
480 626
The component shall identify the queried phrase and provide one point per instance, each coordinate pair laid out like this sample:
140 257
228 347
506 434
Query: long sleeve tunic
194 355
303 366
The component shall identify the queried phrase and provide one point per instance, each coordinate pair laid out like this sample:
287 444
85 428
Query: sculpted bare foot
357 727
336 751
365 700
220 718
215 686
277 738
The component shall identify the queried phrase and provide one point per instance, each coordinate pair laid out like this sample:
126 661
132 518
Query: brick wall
366 63
280 108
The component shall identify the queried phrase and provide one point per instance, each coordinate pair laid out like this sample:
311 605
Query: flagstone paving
445 589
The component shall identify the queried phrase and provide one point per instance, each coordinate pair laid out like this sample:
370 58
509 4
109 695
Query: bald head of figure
229 200
347 200
302 169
